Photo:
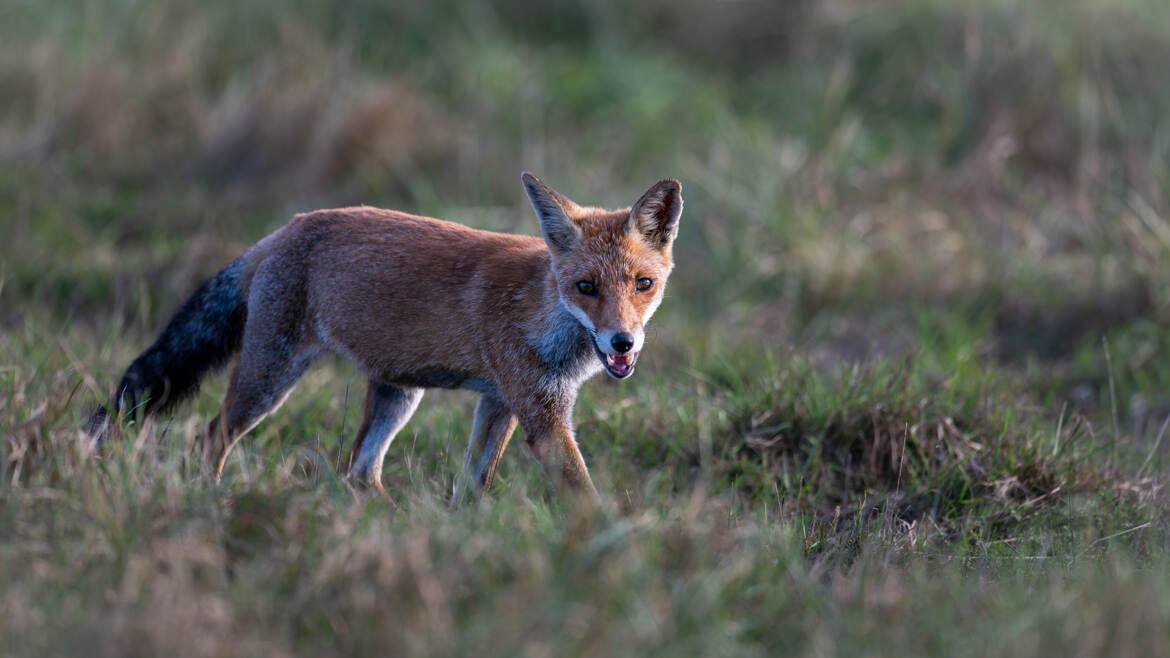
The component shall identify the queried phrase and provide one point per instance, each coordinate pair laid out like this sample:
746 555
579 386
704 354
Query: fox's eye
643 284
586 288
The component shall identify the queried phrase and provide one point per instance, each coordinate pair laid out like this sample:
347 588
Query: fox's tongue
619 365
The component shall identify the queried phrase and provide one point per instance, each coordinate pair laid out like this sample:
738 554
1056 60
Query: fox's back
401 293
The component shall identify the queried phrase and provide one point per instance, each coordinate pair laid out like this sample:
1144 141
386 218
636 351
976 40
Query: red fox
417 303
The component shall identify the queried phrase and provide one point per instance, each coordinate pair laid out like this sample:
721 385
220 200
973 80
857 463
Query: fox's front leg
493 427
388 408
551 441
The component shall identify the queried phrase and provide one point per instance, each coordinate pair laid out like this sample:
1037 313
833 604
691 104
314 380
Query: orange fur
417 302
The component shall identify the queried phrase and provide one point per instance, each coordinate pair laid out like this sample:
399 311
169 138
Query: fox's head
610 266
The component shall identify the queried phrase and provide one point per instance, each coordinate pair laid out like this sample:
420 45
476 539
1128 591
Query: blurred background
988 179
907 395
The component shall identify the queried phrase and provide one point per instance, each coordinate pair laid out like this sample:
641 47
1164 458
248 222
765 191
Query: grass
907 394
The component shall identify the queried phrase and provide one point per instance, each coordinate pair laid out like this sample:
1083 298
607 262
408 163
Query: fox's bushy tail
201 337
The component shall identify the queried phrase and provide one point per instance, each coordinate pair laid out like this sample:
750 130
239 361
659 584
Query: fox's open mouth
619 366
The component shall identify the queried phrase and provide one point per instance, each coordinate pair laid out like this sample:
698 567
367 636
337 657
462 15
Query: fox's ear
655 216
559 230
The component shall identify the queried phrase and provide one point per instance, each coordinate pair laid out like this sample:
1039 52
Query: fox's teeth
609 358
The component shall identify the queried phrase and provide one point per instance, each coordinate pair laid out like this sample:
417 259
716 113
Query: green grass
906 396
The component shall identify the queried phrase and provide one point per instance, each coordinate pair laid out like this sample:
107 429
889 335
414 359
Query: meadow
908 393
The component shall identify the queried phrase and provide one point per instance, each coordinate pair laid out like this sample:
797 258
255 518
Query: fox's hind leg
388 408
493 427
261 382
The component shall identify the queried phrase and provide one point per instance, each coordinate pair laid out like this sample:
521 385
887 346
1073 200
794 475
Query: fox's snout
622 342
619 351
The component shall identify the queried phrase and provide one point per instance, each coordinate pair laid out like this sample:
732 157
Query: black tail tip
98 425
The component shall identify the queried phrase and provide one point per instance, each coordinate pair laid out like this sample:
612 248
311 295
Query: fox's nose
622 342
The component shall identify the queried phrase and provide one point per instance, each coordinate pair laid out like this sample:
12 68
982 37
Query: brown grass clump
887 441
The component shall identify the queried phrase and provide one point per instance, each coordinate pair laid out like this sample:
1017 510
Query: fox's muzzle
622 342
